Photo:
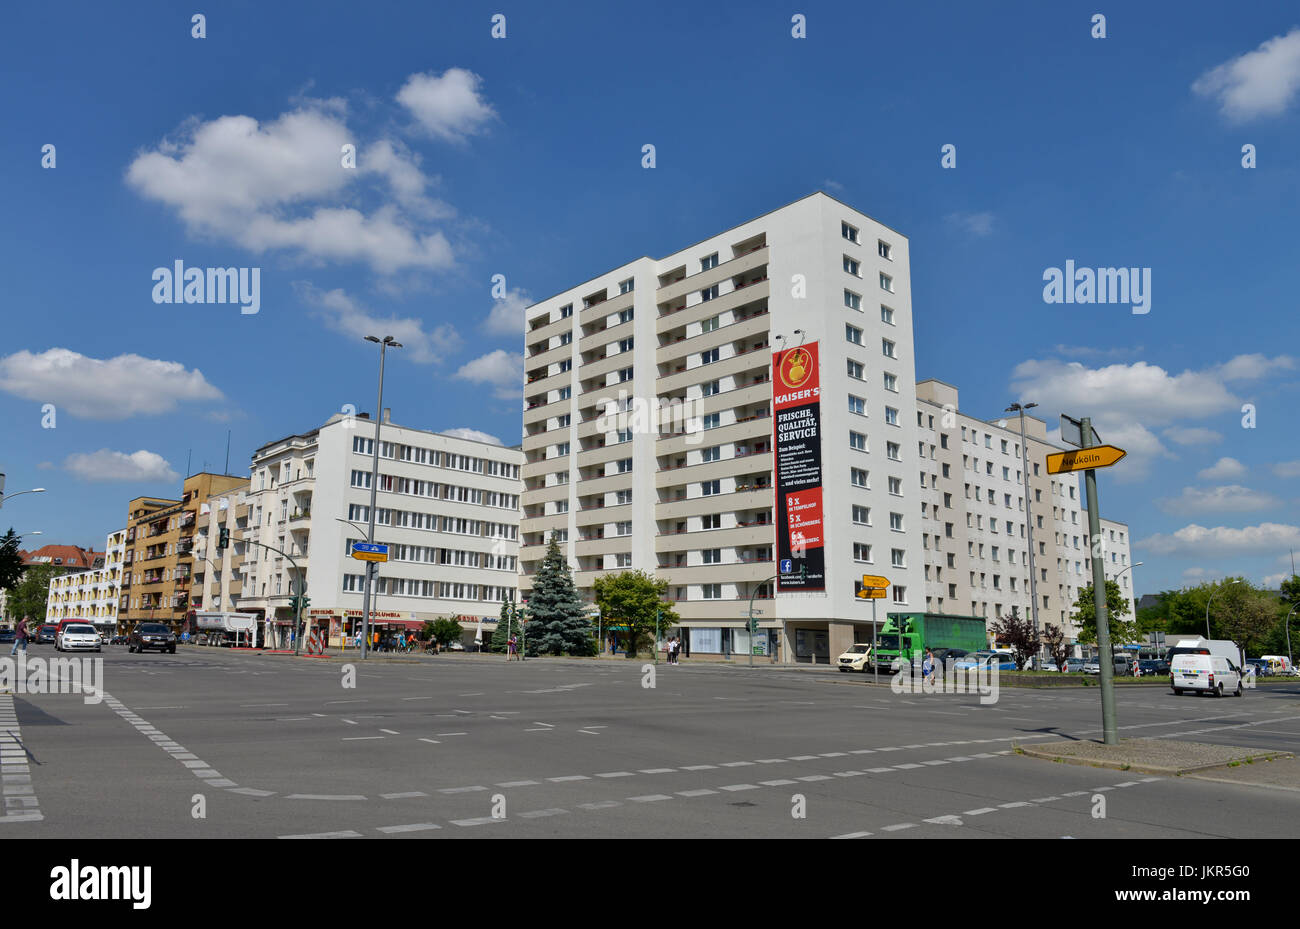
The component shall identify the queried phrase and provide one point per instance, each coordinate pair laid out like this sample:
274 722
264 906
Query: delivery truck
906 635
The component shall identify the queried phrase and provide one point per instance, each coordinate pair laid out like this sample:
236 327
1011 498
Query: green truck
919 631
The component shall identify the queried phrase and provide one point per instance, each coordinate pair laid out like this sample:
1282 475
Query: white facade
447 508
218 575
91 595
690 497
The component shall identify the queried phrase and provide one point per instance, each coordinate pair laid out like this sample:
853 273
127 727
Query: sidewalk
1154 756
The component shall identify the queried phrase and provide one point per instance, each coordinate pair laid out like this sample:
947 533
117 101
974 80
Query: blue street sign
787 565
375 548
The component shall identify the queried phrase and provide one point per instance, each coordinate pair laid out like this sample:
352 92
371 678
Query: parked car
1091 666
7 635
47 634
1075 665
456 646
944 655
1047 664
856 658
78 637
1204 674
151 635
1259 666
1149 667
117 640
985 657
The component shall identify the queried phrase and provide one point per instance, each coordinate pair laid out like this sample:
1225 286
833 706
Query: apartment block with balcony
447 507
978 521
91 595
218 575
647 428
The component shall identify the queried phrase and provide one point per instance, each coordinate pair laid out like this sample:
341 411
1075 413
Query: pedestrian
927 665
512 647
20 636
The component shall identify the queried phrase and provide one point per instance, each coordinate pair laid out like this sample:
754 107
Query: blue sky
522 157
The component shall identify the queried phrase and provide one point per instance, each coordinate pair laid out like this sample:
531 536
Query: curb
1036 752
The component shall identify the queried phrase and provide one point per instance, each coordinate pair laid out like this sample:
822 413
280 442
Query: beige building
91 595
218 577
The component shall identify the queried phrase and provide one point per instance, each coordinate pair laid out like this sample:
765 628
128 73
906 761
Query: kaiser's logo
796 368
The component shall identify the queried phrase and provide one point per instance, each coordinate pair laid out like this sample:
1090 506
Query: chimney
388 415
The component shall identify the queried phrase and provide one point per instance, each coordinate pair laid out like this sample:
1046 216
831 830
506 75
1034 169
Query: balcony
297 514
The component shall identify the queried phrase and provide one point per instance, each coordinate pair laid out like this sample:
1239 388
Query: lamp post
1029 516
1290 660
1207 606
369 565
4 496
384 344
1136 564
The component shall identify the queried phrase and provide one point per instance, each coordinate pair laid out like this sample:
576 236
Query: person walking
513 646
20 636
927 665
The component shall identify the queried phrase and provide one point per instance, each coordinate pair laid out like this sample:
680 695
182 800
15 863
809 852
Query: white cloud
463 433
1085 351
507 314
108 465
278 185
1192 435
1273 581
103 388
1127 401
1223 542
1228 498
1193 574
1222 469
1287 468
502 370
1262 82
343 314
449 105
1253 367
979 224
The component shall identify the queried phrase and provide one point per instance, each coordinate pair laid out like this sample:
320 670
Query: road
214 743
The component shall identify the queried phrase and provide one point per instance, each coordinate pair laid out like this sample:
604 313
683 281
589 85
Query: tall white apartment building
688 494
218 575
447 507
91 595
977 520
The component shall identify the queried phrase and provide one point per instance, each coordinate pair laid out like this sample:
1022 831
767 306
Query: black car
944 655
7 635
151 635
47 634
1148 667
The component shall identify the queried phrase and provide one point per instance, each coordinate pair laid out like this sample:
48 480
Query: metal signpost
373 553
873 589
1090 456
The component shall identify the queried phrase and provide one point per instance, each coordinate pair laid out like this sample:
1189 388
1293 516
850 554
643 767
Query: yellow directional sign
370 556
1099 456
874 580
868 593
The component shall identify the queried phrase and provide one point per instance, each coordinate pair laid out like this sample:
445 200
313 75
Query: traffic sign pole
1109 727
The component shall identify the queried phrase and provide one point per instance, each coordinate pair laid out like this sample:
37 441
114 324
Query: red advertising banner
796 408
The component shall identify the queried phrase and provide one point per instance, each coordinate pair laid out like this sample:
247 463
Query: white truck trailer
227 628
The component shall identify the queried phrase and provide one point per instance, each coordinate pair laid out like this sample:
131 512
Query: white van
1280 664
1206 674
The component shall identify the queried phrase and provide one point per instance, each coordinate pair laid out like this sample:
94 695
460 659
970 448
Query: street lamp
4 496
1290 660
1207 606
1029 515
384 344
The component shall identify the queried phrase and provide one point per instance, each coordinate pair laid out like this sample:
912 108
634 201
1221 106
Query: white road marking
658 770
390 731
534 814
695 793
651 798
852 835
777 783
360 738
477 821
263 704
898 827
326 797
404 796
431 741
325 835
616 774
569 777
602 805
518 783
699 767
445 734
735 787
410 827
460 790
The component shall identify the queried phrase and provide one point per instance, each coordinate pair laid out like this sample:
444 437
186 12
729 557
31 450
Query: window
710 488
709 293
625 316
625 345
896 486
711 591
884 249
711 521
566 365
709 325
886 315
900 594
709 357
625 287
624 435
897 558
853 334
891 383
862 552
712 420
622 497
852 301
623 560
566 311
891 416
891 451
896 522
714 453
855 369
849 232
623 528
624 465
888 348
625 374
561 506
886 282
709 388
857 440
565 393
857 405
858 477
851 267
709 262
712 555
862 515
561 448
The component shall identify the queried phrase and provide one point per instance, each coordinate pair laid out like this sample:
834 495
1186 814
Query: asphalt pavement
218 743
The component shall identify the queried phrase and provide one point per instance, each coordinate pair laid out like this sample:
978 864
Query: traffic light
223 538
298 603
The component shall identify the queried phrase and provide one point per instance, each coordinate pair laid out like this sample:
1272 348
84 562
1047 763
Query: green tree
11 564
447 630
29 597
632 599
1243 614
506 624
1084 615
556 620
1057 646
